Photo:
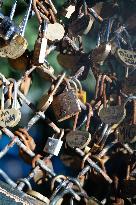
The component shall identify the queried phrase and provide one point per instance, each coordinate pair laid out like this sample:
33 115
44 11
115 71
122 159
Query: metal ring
54 180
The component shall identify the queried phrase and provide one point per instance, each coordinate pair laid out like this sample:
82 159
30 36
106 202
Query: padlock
127 134
66 104
84 21
15 35
21 63
10 117
129 84
53 145
40 45
113 115
127 57
55 32
46 100
46 71
78 139
100 54
68 61
81 25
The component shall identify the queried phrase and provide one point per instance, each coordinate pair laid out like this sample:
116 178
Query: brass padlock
66 104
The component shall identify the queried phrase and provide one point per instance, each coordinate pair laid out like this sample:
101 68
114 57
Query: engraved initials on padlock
11 116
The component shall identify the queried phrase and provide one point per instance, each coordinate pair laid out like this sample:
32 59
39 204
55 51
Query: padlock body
9 117
53 146
66 105
78 139
39 51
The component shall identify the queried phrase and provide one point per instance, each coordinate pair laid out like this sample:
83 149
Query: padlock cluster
95 139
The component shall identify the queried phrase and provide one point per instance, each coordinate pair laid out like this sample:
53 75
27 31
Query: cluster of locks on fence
100 146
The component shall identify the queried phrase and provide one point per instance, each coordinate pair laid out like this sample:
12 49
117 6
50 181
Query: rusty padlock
66 104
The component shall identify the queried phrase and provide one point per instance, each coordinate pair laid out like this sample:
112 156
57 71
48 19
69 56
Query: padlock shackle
14 105
13 9
25 19
2 77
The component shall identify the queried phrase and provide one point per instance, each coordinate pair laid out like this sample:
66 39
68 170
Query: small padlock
46 100
81 25
126 133
15 35
112 115
11 116
40 45
55 32
66 104
77 138
129 84
46 71
127 57
100 53
53 145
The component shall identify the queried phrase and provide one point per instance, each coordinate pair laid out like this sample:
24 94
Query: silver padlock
53 145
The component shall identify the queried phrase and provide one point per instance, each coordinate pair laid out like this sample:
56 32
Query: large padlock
66 104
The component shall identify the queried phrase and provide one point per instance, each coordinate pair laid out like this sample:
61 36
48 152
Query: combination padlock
53 145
